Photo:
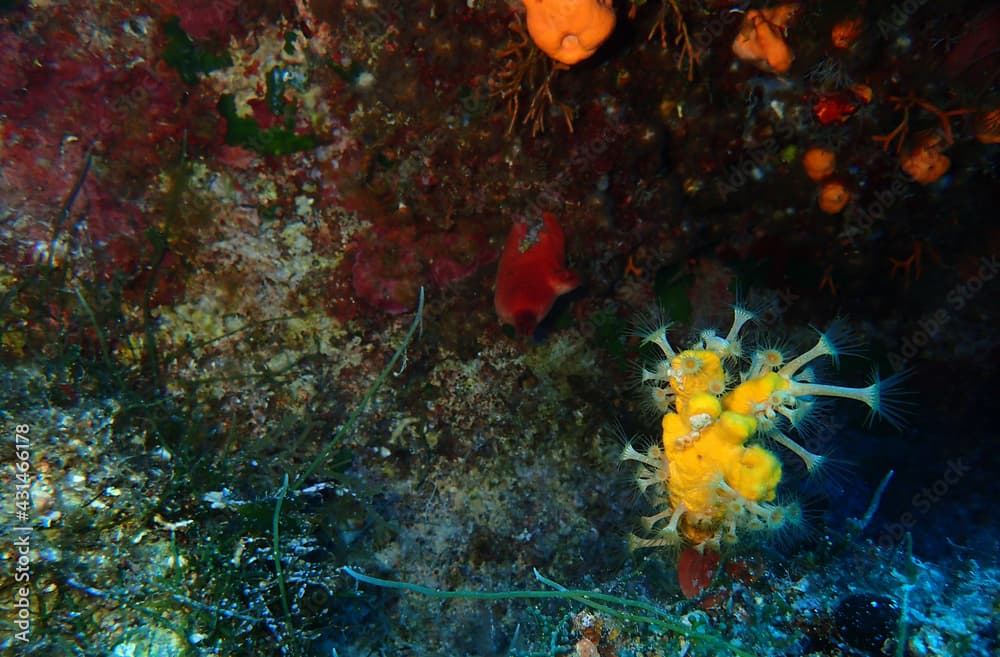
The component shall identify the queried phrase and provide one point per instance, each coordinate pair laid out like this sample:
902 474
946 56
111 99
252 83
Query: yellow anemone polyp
569 30
696 371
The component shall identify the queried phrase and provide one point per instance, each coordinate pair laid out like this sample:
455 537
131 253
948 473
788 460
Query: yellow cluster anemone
711 477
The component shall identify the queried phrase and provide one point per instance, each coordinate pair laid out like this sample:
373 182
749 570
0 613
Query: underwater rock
867 622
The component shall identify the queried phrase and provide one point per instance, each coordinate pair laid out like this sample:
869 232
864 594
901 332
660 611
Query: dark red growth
532 274
695 570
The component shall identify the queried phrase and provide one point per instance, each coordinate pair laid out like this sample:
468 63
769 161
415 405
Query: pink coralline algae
206 20
394 261
68 104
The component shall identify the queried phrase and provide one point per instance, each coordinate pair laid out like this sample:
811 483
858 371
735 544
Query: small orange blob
863 92
833 196
761 39
532 274
569 30
819 163
846 32
926 162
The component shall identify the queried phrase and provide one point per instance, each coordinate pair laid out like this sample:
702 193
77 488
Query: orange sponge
761 39
569 30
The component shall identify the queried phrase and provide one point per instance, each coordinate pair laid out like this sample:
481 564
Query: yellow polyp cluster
753 394
693 372
711 478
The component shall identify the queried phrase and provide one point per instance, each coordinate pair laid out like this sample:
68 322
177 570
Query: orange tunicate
833 196
846 32
761 39
569 30
863 92
987 126
925 162
819 163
